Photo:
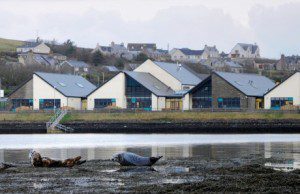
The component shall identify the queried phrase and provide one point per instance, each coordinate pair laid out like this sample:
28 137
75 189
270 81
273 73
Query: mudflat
173 175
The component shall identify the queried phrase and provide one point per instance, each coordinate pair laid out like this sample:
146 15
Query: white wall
42 90
162 75
74 103
114 88
42 48
186 102
289 88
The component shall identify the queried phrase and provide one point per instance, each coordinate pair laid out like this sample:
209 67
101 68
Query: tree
70 48
141 57
97 58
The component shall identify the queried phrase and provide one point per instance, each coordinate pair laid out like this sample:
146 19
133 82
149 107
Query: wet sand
193 175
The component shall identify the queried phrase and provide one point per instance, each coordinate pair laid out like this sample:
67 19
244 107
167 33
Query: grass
175 116
144 117
25 117
7 45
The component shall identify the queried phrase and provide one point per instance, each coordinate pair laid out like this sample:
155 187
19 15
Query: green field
145 117
9 45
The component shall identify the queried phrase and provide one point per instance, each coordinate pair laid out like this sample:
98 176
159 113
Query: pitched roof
187 51
111 68
151 83
68 85
180 72
252 47
140 46
249 84
233 64
79 64
297 72
30 45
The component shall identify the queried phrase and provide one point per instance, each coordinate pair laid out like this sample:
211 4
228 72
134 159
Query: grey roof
30 45
180 72
252 47
187 51
151 83
79 64
105 48
68 85
111 68
233 64
140 46
249 84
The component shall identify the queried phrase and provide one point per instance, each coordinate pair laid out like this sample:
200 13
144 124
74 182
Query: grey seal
4 166
131 159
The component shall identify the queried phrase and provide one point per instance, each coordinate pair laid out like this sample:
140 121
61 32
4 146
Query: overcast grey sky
273 24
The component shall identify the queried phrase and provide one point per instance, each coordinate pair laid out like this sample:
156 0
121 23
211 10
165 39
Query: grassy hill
9 45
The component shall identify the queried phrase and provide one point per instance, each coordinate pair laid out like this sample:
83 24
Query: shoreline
213 126
194 174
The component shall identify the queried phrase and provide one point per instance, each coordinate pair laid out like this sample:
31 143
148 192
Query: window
104 103
62 84
202 97
229 103
16 103
277 103
49 103
79 85
135 89
142 103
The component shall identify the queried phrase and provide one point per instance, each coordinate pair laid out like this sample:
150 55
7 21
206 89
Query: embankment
246 126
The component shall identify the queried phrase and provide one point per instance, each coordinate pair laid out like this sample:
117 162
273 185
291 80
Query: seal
131 159
37 160
4 166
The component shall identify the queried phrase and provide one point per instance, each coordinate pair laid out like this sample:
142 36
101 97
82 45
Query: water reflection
288 152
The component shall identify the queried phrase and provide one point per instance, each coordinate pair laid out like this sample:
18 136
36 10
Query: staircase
53 123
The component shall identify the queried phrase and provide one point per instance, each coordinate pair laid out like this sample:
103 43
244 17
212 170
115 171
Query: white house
177 76
35 47
46 91
194 56
286 93
151 86
133 90
242 50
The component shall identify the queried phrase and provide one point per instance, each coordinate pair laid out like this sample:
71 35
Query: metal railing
54 122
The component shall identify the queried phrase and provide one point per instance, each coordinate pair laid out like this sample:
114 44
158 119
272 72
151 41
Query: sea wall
210 126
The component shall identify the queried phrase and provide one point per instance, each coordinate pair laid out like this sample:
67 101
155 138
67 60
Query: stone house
35 47
242 50
224 90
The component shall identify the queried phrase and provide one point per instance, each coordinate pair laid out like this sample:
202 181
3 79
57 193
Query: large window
135 89
49 104
277 103
104 103
229 103
137 95
174 104
16 103
202 97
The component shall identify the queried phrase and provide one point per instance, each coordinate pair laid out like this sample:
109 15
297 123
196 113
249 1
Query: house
194 56
242 50
186 55
75 66
177 76
285 94
220 64
110 68
224 90
137 48
35 47
105 50
151 86
31 58
131 90
46 91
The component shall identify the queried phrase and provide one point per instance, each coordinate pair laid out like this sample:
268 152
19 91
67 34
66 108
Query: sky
272 24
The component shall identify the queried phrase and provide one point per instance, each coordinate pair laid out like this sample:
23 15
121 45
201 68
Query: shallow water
15 148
